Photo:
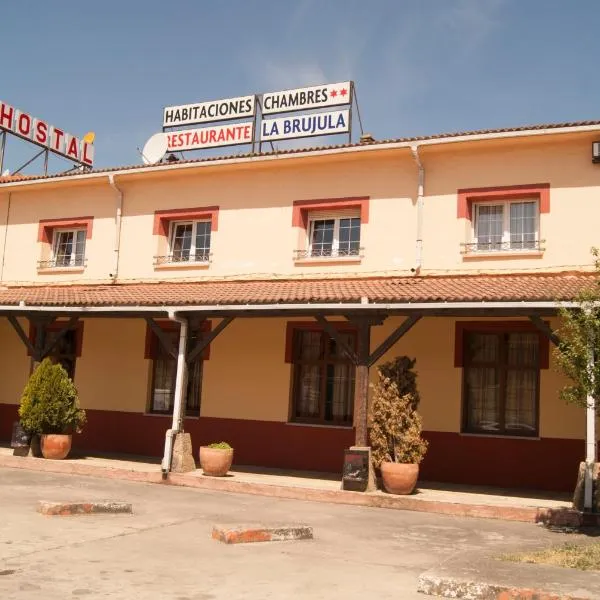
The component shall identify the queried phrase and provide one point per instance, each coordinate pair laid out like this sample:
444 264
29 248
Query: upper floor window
335 236
68 248
506 226
189 241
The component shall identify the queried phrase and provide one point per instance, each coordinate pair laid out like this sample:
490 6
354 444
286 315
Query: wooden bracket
206 339
545 329
335 334
59 335
391 339
163 339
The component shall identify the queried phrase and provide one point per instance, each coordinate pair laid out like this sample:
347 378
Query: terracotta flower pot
399 478
215 461
55 446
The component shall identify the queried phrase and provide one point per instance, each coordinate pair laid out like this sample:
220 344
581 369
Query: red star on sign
343 92
333 93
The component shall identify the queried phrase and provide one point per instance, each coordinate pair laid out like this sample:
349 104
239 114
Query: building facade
297 273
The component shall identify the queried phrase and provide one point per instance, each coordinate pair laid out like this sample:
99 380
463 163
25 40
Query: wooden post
361 390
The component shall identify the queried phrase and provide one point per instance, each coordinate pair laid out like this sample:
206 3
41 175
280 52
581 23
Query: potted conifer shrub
216 459
396 443
50 408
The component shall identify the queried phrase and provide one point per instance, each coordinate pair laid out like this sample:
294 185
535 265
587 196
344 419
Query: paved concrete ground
164 551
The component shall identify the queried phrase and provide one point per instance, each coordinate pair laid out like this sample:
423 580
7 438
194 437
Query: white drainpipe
590 443
118 216
178 404
420 204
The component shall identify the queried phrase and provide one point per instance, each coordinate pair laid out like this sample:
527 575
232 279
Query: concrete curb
527 514
245 535
471 590
83 508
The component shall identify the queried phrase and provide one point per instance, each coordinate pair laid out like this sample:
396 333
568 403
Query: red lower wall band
546 464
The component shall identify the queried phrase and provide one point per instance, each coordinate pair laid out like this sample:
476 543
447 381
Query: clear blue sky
420 66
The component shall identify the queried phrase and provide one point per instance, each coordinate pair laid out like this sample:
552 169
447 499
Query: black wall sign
20 437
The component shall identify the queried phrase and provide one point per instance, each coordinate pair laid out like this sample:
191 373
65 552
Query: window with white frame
506 226
68 248
189 241
334 235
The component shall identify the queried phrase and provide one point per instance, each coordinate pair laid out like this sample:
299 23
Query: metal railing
483 247
182 259
328 253
61 262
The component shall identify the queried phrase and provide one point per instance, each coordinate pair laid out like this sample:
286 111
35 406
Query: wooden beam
60 334
164 340
403 328
21 333
361 386
335 334
545 329
207 338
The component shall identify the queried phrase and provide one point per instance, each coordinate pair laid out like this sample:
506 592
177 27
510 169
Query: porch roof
388 293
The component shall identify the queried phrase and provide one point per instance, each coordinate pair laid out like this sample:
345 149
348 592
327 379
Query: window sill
167 415
51 270
501 254
317 425
530 438
182 265
330 260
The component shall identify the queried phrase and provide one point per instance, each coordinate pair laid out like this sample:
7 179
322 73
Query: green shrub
220 446
395 424
49 403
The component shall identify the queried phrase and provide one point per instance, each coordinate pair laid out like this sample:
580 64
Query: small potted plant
50 408
216 459
396 442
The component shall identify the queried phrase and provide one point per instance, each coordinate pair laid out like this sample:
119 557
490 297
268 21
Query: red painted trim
466 197
57 326
151 341
301 208
451 457
47 226
502 462
162 218
498 327
292 326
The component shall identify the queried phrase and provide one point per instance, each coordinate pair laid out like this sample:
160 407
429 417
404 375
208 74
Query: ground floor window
164 369
323 378
501 382
67 347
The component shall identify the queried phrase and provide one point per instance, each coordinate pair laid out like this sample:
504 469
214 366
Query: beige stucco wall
247 377
569 229
255 237
14 363
112 373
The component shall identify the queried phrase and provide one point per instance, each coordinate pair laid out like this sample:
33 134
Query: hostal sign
47 136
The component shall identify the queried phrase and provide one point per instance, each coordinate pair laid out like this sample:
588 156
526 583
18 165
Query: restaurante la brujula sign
252 130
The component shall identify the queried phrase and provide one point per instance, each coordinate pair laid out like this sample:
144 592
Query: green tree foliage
49 403
395 424
579 331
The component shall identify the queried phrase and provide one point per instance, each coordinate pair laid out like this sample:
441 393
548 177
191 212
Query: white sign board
207 112
47 136
299 126
319 96
210 137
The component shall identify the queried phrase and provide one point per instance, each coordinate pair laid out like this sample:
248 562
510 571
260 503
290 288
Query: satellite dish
6 173
155 149
89 137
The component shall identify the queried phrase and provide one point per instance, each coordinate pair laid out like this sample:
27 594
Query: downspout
178 403
420 204
115 270
5 237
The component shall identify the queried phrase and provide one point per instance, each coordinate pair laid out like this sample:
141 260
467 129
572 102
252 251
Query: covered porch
390 316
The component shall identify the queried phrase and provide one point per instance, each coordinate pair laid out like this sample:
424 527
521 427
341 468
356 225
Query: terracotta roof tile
469 288
523 128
